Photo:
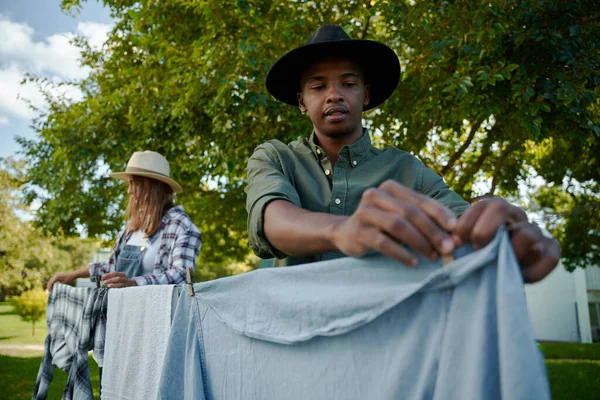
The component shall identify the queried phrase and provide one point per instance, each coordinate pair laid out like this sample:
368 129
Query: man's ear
301 104
367 98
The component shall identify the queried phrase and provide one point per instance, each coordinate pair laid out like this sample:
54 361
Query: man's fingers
517 215
398 228
466 222
493 217
481 221
387 246
523 241
435 210
420 225
547 262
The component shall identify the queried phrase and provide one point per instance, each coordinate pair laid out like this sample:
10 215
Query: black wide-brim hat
379 64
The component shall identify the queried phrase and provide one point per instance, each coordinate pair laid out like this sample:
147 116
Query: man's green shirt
301 173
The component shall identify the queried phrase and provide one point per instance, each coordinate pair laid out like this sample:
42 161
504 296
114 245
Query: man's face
333 92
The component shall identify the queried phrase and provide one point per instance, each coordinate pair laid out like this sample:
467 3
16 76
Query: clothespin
190 283
447 259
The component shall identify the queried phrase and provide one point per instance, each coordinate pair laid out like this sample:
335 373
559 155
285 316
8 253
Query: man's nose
334 95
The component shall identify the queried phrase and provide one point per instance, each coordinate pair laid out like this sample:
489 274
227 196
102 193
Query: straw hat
151 165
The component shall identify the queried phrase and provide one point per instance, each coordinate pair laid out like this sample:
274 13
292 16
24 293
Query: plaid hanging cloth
76 320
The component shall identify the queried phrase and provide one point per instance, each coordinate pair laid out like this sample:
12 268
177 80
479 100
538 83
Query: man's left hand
117 280
536 253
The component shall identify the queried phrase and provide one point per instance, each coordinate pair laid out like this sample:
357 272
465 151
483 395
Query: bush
31 306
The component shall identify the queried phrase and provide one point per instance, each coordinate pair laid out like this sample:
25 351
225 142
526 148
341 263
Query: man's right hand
62 277
392 215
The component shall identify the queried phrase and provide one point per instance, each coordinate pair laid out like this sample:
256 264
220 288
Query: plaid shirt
76 320
180 243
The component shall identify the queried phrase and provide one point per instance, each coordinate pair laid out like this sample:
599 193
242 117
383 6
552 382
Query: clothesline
348 328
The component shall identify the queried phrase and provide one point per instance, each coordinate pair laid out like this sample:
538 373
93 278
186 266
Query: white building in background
566 306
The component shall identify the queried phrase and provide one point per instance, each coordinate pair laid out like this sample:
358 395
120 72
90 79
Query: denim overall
130 258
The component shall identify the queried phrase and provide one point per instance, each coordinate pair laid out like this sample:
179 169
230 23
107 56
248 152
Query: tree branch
497 170
433 124
368 19
470 172
461 149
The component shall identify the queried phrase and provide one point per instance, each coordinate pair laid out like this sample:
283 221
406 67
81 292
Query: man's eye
319 87
350 84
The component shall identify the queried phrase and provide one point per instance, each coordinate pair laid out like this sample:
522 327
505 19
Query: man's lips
336 110
336 114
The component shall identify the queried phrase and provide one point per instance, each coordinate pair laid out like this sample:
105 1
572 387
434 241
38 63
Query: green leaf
575 30
520 39
499 27
556 34
511 67
529 92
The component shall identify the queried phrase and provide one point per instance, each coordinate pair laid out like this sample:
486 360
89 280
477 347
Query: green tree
28 256
31 306
13 229
492 92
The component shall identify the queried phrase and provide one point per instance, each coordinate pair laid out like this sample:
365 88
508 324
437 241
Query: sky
35 38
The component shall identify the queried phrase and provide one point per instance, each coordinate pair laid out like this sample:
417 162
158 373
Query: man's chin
335 132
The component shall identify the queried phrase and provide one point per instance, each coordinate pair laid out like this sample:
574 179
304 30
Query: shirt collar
356 151
171 212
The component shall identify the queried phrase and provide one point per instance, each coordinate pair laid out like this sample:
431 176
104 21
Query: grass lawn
18 377
13 330
577 351
19 366
574 380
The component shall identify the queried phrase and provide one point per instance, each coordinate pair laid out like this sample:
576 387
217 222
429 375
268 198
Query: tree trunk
33 328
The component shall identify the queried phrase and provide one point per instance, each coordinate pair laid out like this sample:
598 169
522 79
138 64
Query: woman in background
159 241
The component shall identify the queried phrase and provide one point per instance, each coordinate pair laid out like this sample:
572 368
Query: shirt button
318 151
338 201
354 162
327 172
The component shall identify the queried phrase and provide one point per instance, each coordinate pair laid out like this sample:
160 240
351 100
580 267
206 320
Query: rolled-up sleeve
268 180
434 186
